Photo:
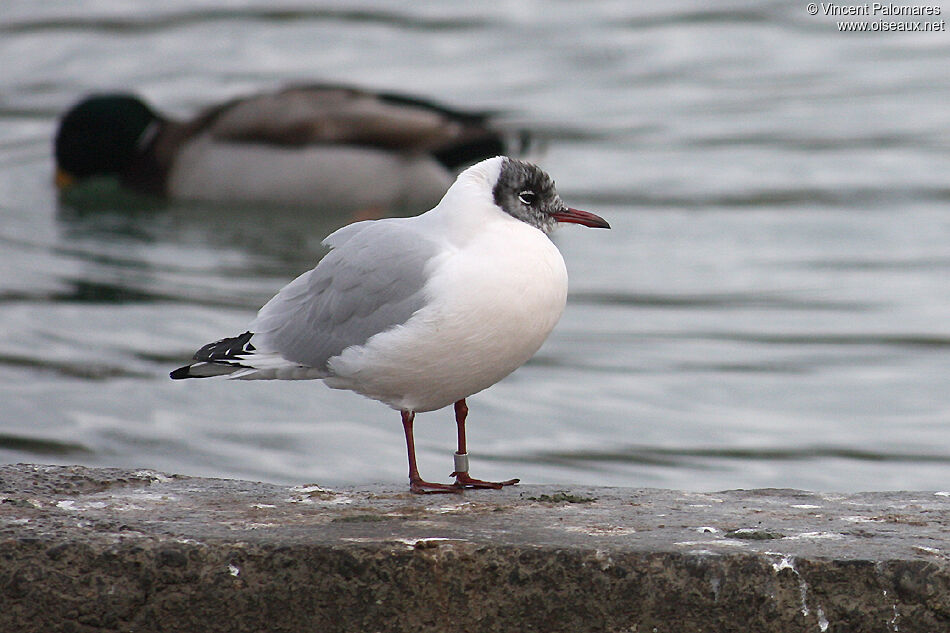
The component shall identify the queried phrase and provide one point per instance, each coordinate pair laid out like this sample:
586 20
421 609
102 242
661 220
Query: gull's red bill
576 216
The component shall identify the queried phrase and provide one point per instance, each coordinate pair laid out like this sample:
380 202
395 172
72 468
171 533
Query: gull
420 312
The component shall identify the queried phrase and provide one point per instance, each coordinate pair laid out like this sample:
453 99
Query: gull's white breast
493 296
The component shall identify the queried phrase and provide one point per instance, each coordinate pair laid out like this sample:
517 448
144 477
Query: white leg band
461 462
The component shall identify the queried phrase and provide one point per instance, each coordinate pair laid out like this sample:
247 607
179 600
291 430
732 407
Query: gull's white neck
469 204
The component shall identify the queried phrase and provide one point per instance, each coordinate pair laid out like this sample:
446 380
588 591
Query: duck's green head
102 135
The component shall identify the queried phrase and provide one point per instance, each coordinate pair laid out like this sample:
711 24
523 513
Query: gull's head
525 192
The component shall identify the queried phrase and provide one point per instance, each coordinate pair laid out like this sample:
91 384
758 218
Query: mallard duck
326 145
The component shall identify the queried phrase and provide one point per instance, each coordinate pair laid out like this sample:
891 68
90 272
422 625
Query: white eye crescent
526 197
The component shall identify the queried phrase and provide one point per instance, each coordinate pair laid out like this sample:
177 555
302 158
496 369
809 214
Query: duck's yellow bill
64 179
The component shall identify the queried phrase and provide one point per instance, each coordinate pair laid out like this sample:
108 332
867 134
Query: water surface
771 308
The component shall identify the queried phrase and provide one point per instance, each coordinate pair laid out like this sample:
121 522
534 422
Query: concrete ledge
85 549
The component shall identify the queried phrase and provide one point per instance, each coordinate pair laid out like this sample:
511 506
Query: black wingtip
181 372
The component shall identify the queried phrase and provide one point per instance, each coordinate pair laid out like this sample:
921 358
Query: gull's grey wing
372 280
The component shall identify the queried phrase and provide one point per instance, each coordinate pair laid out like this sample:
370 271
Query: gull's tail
237 357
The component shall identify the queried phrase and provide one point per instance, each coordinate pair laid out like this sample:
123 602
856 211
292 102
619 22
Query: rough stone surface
85 550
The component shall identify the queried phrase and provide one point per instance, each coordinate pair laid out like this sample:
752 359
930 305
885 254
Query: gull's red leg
416 483
462 479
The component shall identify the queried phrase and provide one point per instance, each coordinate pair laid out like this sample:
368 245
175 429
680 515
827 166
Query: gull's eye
527 197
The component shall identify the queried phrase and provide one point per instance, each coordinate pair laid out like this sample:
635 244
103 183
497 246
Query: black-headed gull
420 312
298 145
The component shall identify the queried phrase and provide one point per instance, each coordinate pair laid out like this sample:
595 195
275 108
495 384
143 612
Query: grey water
771 307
